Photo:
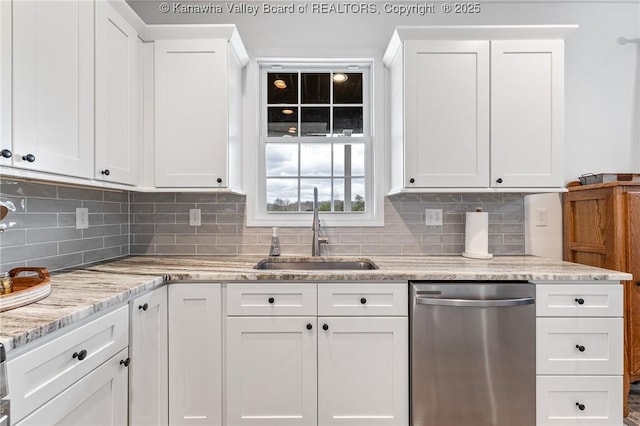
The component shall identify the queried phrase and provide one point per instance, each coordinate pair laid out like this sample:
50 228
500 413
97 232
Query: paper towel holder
473 241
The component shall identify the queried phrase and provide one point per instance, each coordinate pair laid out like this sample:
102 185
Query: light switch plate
195 218
433 217
541 217
82 218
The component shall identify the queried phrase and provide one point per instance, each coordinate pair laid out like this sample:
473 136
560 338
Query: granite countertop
79 293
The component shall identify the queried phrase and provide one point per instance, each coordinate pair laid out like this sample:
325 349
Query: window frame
257 214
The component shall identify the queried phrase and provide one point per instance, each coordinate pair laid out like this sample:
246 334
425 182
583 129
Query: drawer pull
580 348
309 326
271 300
144 307
325 327
580 301
363 300
581 407
125 362
80 355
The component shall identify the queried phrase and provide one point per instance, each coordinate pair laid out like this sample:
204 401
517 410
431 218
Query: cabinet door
149 390
191 102
271 371
363 372
98 399
195 354
447 114
527 113
118 85
632 288
53 86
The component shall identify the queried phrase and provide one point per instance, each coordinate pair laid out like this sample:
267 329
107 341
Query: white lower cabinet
148 375
98 399
195 354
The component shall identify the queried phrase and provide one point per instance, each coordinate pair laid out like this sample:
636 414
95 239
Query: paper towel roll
476 238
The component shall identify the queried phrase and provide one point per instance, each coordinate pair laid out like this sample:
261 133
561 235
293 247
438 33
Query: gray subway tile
28 189
218 208
75 193
154 197
140 228
119 218
100 254
95 219
52 234
175 249
117 196
154 218
142 249
66 219
196 198
101 231
230 218
196 239
142 208
444 197
174 208
231 198
237 239
101 207
116 240
481 198
404 198
55 263
359 239
153 239
35 220
48 205
9 266
217 229
12 237
230 249
172 228
417 249
74 246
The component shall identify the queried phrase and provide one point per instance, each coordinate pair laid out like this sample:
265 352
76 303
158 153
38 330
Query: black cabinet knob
580 301
499 180
125 362
325 327
271 300
80 355
6 153
219 180
412 180
580 348
581 407
363 300
29 157
105 172
144 307
309 326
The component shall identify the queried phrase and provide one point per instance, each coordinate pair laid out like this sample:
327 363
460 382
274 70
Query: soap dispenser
275 243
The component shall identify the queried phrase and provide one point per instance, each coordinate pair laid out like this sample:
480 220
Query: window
315 132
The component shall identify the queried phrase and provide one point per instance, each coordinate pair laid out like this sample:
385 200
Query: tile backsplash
123 222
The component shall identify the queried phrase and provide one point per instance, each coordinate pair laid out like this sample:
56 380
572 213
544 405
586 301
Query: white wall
543 239
602 75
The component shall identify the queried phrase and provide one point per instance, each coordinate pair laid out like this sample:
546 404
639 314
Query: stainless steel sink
316 264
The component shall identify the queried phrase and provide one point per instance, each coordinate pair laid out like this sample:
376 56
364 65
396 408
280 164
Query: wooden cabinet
195 354
602 228
198 112
484 112
148 372
579 354
118 92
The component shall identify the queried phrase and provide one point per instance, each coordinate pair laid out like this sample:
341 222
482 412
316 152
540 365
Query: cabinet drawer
379 299
42 373
559 399
271 299
578 300
579 345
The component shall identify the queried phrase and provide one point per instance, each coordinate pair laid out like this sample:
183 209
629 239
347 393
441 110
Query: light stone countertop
79 293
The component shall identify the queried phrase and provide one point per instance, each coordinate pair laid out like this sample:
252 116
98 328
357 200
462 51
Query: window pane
306 194
282 121
282 159
357 159
315 159
357 195
347 91
338 195
282 195
347 121
315 88
343 152
282 88
315 122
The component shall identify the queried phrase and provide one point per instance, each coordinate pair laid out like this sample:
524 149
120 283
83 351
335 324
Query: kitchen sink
315 264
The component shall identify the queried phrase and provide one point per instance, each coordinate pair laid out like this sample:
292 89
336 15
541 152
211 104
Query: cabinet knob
580 301
412 180
499 180
363 300
581 407
219 180
6 153
271 300
309 326
105 172
80 355
580 348
325 327
144 307
29 157
125 362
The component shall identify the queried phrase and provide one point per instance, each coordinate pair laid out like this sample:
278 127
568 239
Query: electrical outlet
541 217
82 218
433 217
195 218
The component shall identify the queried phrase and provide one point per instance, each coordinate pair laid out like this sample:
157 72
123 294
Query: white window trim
254 150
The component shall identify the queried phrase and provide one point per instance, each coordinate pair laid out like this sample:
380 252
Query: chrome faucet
315 243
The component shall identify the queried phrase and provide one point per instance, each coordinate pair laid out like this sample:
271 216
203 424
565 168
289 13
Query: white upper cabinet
477 107
527 113
198 113
52 73
118 90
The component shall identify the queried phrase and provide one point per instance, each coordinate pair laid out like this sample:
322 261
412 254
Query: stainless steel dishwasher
473 354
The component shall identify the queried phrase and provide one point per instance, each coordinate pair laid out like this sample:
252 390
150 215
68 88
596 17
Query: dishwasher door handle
475 303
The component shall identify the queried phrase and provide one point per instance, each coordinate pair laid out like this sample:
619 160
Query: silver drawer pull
475 303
